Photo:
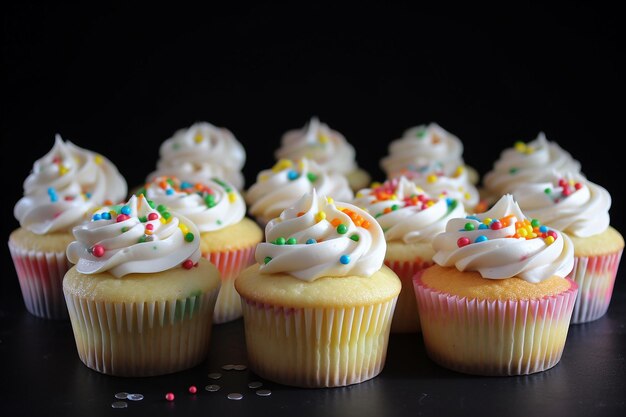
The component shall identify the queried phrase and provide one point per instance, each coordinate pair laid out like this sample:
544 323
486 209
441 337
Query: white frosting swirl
318 142
211 206
567 202
527 163
132 238
316 238
201 152
64 186
281 186
491 244
405 212
423 148
436 182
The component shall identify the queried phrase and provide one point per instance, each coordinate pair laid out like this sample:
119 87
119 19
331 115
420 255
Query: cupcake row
321 262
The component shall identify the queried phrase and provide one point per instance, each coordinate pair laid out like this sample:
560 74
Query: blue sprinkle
185 184
345 259
106 216
169 191
125 210
96 216
292 175
483 226
310 241
88 195
472 218
449 201
543 229
481 238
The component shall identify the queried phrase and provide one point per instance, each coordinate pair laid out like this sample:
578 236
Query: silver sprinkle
264 392
119 404
228 367
121 395
234 396
255 384
135 397
239 367
215 375
212 388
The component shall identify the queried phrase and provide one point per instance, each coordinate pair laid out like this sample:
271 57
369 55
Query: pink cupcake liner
406 318
493 337
142 338
40 275
317 347
230 264
595 276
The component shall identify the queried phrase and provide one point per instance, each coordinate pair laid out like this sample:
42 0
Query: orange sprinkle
300 213
336 222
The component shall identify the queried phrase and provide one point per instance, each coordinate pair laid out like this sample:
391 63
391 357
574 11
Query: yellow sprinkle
198 137
183 227
549 240
301 164
522 232
429 203
458 171
420 190
282 164
520 146
529 150
63 169
330 200
532 235
467 196
359 194
431 178
113 214
529 228
263 177
375 184
232 197
162 220
393 197
487 220
320 216
323 138
98 159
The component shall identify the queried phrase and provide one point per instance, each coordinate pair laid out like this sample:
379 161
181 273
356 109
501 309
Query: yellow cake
140 296
318 303
497 301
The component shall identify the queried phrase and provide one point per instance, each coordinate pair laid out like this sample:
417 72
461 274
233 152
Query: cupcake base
494 337
406 317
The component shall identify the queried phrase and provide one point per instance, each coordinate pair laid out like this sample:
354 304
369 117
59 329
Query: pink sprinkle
169 396
193 389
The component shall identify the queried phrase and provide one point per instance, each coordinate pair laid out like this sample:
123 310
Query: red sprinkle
188 264
496 225
463 241
149 226
169 396
122 217
193 389
552 233
97 250
153 216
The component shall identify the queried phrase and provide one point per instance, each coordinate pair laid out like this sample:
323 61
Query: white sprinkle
264 392
119 404
234 396
135 397
212 388
215 375
255 384
121 395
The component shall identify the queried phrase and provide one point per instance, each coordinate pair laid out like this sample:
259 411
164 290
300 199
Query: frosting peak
318 237
134 238
64 186
503 243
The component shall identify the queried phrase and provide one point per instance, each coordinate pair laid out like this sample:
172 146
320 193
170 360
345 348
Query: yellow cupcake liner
317 347
40 275
230 264
142 338
595 276
494 337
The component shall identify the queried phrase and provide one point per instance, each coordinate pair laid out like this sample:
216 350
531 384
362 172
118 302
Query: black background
120 79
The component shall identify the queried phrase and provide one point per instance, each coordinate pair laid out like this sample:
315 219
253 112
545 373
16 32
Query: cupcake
427 148
498 300
580 209
327 147
227 237
278 188
140 296
526 163
201 152
410 219
318 304
61 191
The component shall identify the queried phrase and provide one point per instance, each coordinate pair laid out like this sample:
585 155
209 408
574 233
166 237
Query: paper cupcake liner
142 338
491 337
40 275
406 317
595 276
317 347
230 264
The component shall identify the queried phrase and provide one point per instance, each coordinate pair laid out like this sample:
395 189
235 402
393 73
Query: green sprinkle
377 215
342 229
175 146
535 223
161 208
142 239
150 203
292 241
280 241
267 260
311 176
547 190
513 171
189 236
355 237
469 226
124 229
219 222
421 133
141 191
143 219
395 207
166 215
